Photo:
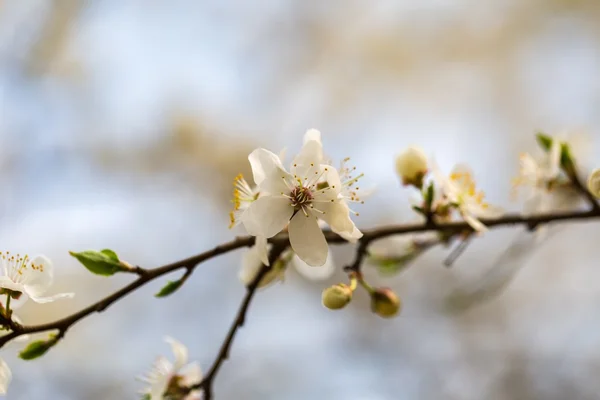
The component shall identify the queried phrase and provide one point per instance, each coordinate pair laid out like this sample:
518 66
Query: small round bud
594 183
385 303
411 166
337 296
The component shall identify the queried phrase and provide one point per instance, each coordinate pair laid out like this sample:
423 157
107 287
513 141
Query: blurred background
124 122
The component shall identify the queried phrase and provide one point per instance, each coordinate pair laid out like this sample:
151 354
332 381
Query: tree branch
207 383
63 324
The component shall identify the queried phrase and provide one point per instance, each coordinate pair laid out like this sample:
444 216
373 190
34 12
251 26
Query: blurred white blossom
168 378
460 191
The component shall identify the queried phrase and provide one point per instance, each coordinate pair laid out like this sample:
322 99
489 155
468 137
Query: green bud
37 349
337 296
105 262
385 303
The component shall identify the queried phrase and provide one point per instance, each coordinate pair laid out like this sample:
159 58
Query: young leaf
105 262
169 288
566 158
545 141
37 349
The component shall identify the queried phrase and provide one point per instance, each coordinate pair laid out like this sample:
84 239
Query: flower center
300 196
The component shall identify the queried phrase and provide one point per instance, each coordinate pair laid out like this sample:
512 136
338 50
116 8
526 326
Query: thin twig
207 383
581 188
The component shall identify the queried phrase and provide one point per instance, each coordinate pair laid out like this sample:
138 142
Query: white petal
555 152
351 237
337 216
251 264
275 183
180 352
267 216
332 176
315 273
307 239
50 299
477 225
309 160
263 163
5 377
312 134
192 374
262 248
38 276
7 283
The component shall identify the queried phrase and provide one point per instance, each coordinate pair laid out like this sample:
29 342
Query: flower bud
337 296
594 183
411 166
385 303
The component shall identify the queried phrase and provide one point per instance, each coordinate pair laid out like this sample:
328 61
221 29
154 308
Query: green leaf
105 262
566 158
429 195
169 288
110 254
545 141
419 210
37 349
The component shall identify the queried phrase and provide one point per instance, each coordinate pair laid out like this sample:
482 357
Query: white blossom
166 377
5 377
411 166
460 191
296 200
541 178
24 277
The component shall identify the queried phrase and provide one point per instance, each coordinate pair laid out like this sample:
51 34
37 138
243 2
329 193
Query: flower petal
337 216
5 377
309 160
267 216
275 183
38 276
477 225
180 352
262 247
555 152
191 374
7 283
312 134
314 273
50 299
263 163
307 239
351 237
252 260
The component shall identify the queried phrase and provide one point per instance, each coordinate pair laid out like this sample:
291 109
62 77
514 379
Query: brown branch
63 324
581 188
207 383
